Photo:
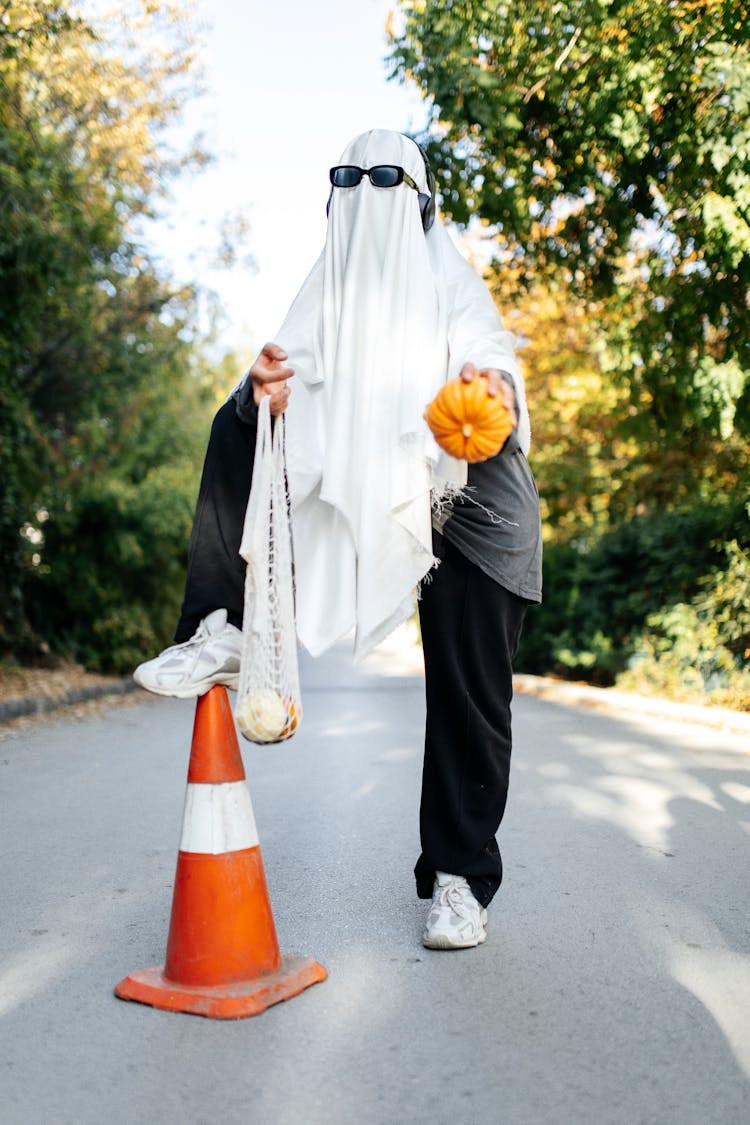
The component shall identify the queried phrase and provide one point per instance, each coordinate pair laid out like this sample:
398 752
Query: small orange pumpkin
468 423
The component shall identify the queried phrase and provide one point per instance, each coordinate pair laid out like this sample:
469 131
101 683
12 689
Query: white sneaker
211 656
455 920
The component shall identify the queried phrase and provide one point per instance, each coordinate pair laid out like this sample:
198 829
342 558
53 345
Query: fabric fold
386 315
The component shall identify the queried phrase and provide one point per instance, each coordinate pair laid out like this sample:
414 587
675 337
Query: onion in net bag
269 707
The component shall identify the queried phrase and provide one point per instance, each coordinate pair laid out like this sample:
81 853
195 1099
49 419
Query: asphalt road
614 988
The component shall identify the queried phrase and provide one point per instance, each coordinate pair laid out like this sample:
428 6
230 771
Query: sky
289 84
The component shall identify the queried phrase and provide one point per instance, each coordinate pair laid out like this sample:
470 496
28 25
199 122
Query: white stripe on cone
218 818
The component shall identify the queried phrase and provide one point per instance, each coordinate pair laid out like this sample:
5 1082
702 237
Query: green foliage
607 148
700 647
545 623
108 588
602 601
603 150
104 391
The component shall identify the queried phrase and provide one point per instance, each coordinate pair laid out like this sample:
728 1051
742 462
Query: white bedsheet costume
385 317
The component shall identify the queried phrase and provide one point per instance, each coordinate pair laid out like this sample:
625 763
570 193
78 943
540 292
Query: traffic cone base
234 938
223 958
229 1002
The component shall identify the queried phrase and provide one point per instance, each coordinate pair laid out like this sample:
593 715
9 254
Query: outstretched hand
496 385
269 376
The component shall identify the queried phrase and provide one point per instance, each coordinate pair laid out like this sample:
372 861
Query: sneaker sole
443 941
190 691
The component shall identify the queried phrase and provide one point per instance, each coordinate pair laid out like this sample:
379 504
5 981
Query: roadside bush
546 624
111 591
701 647
599 599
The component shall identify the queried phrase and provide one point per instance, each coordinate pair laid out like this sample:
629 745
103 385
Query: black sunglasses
381 175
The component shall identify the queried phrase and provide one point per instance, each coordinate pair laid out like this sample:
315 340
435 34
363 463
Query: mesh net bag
269 706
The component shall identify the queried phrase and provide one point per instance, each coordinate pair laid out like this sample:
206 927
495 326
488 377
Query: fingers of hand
279 400
510 401
278 396
494 381
269 367
270 373
509 398
273 351
496 385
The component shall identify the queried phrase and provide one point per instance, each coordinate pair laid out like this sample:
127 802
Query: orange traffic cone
223 957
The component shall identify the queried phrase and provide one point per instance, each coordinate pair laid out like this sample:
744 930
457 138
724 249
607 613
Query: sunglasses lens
385 175
346 176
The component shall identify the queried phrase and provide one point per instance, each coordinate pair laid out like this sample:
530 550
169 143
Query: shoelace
452 896
200 635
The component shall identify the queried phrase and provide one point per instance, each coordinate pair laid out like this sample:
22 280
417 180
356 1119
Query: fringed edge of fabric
429 576
442 505
495 517
442 501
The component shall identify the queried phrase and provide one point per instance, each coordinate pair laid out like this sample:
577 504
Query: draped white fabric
386 315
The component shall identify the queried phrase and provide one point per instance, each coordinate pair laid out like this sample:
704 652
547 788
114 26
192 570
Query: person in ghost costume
388 313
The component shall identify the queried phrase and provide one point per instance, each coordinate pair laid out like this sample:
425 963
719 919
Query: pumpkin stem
467 429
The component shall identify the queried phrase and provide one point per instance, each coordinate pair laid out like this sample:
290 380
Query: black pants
216 572
470 630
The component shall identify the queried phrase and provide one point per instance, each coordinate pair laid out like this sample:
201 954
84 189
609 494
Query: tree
606 144
101 375
602 147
